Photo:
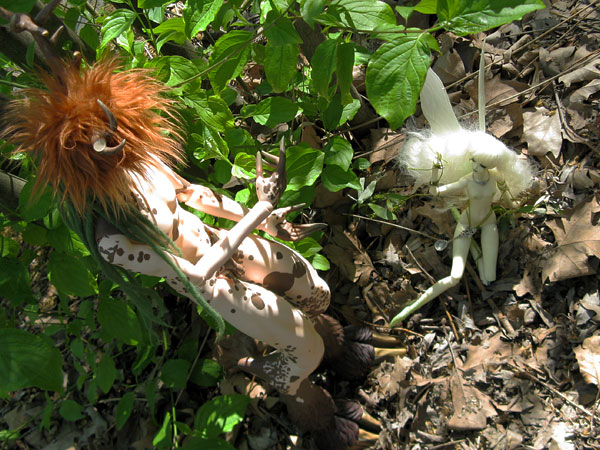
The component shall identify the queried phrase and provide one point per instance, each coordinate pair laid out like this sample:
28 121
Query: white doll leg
489 246
460 250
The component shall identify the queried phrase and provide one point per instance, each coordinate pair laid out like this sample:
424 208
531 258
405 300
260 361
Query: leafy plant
238 70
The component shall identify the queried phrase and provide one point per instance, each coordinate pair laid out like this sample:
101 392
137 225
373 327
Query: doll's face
478 167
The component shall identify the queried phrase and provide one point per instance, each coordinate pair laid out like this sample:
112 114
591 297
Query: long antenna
481 88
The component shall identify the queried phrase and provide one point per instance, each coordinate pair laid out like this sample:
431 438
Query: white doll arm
451 188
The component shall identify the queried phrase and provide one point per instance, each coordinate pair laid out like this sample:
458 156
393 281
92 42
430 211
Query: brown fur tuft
57 127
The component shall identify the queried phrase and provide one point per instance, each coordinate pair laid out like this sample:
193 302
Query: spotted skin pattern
265 289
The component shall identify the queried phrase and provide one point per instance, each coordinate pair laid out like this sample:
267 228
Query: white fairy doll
474 164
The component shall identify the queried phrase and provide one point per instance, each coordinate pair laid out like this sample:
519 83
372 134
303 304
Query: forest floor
504 366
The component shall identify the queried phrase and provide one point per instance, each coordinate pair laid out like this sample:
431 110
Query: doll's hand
276 225
270 189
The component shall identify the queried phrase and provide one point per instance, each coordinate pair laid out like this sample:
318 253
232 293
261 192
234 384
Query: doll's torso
156 198
478 211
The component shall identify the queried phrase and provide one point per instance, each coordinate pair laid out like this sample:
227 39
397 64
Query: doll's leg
267 317
283 271
489 246
460 250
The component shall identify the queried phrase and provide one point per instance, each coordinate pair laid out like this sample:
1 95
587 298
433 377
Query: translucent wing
436 105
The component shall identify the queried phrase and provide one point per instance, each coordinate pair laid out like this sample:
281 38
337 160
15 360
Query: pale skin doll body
480 186
256 293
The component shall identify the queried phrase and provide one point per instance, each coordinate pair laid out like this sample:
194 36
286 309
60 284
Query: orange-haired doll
105 142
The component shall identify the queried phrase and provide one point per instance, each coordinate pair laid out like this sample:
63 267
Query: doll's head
91 126
457 150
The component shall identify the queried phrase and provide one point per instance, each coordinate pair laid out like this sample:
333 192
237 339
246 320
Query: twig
521 374
391 224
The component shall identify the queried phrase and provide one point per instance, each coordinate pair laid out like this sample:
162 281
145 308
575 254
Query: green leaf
244 166
213 110
106 373
71 410
282 32
395 76
310 9
221 171
427 6
308 247
174 373
34 234
174 69
220 415
28 360
334 178
332 115
304 165
274 110
473 16
339 152
230 54
116 23
9 247
172 29
163 438
206 373
34 205
323 63
319 262
147 4
119 321
19 6
15 284
366 15
89 35
70 275
124 408
295 196
381 212
344 68
280 65
367 192
198 14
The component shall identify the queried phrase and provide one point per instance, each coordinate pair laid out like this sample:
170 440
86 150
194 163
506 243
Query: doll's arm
205 200
451 188
269 192
505 194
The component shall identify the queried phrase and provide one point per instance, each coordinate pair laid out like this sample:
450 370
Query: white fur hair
457 149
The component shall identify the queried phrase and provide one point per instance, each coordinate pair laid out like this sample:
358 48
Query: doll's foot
348 350
333 425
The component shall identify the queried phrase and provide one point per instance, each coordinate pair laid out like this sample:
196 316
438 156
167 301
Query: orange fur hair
56 126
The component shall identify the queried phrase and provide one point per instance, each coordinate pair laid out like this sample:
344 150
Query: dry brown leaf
588 357
471 406
542 132
347 252
449 67
588 72
497 90
578 238
385 145
578 99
